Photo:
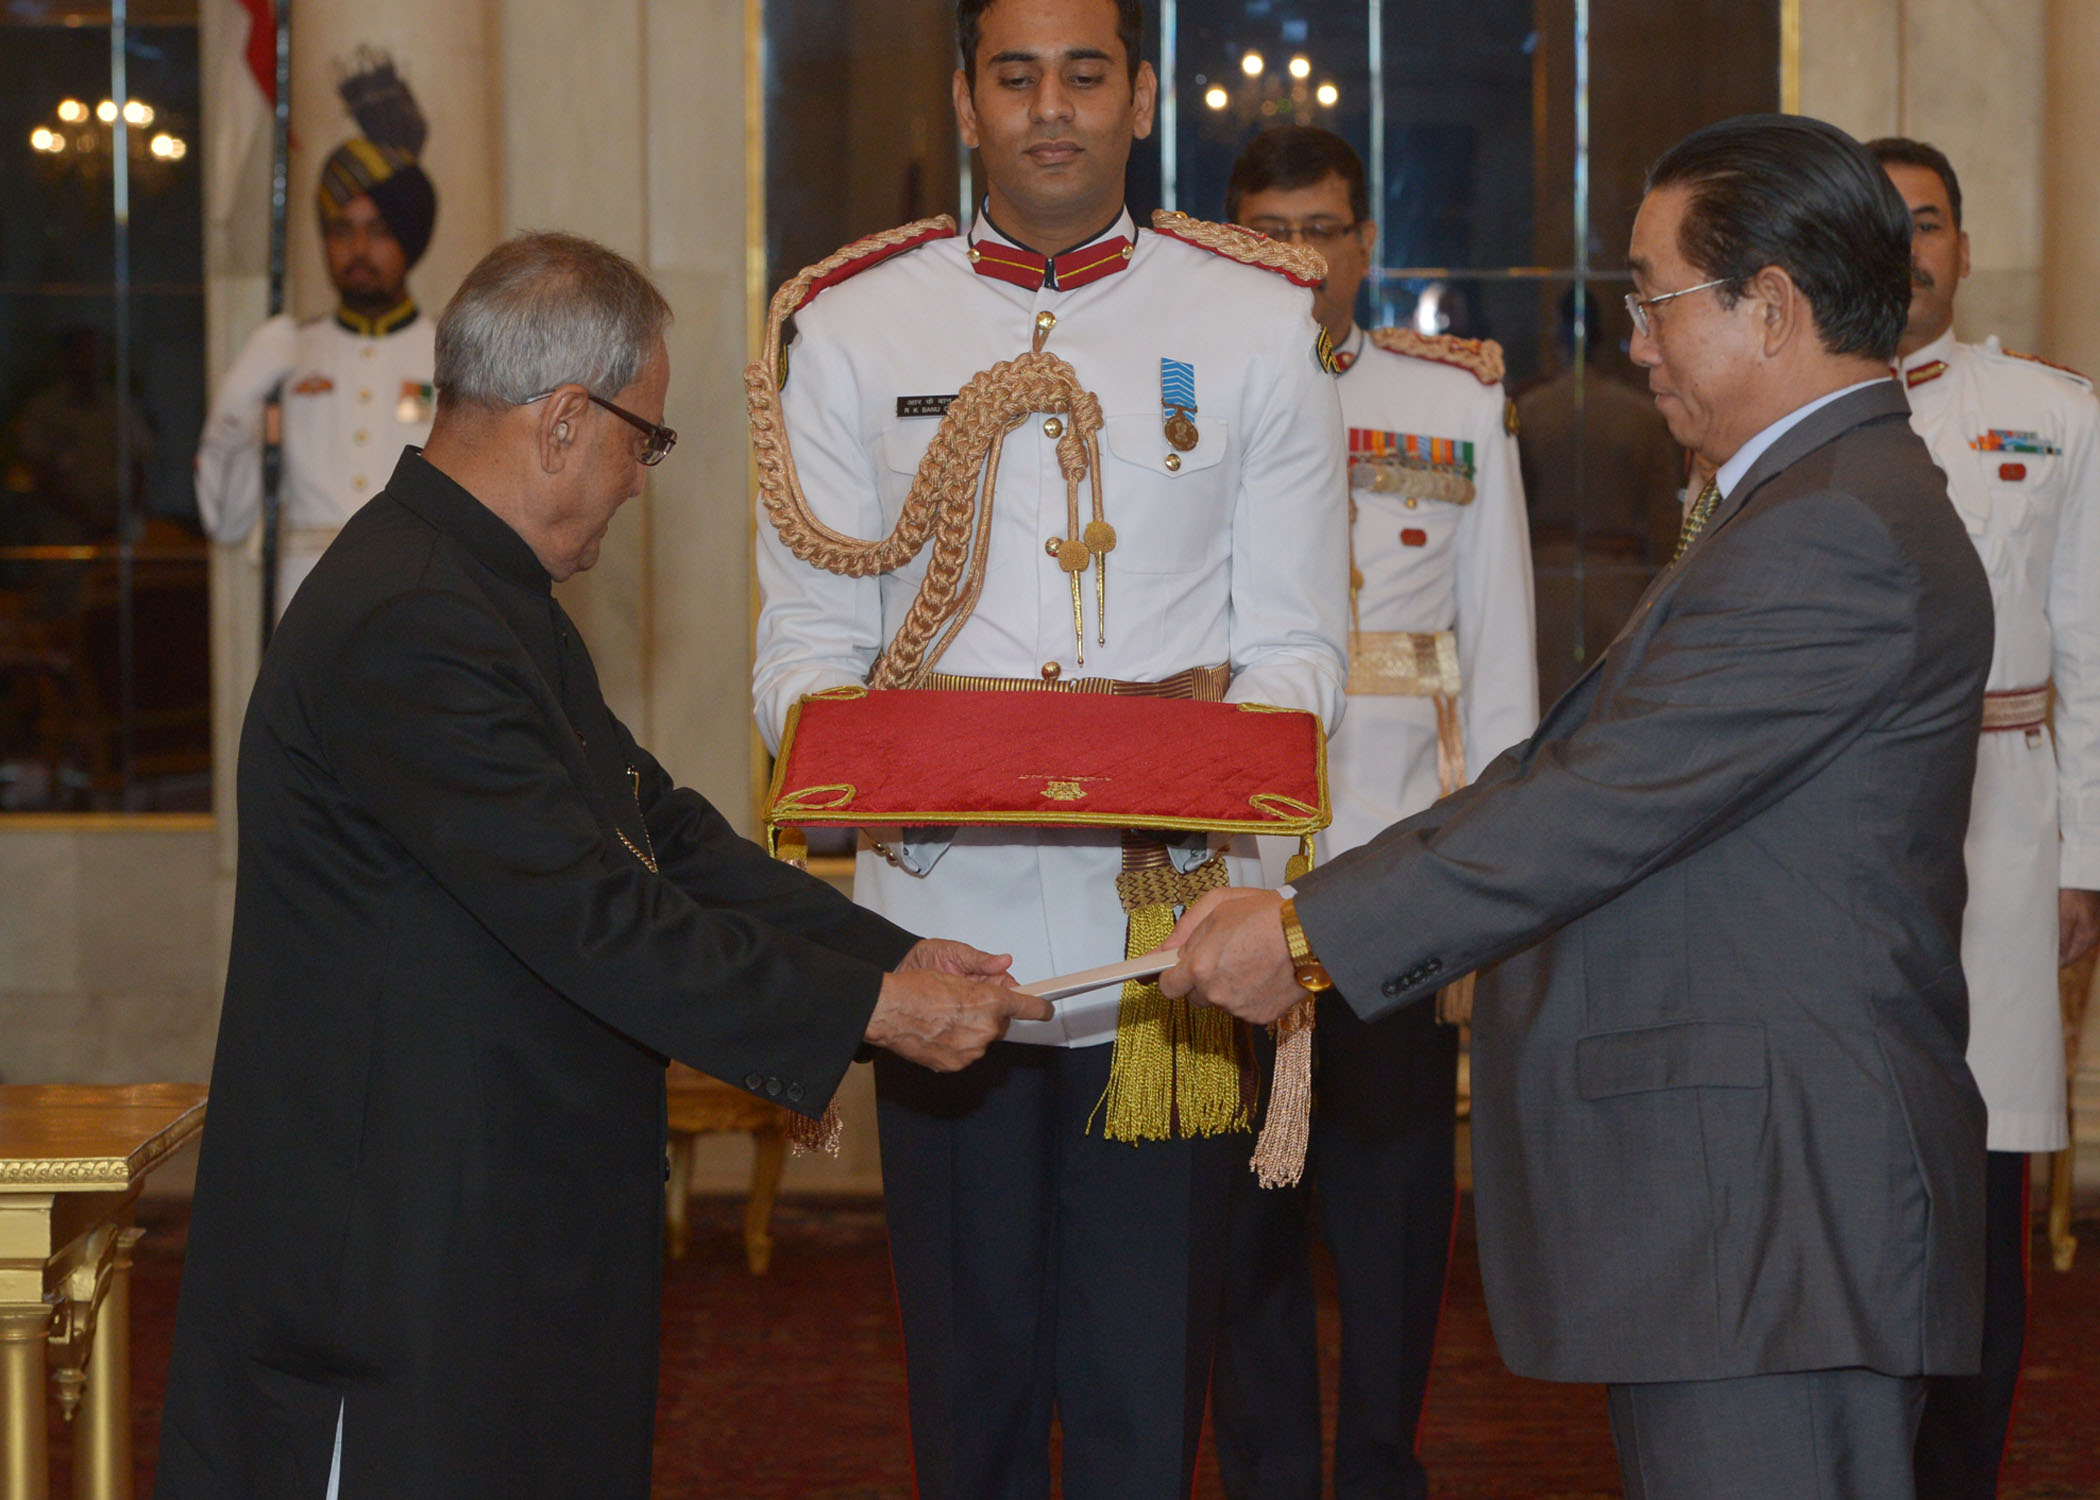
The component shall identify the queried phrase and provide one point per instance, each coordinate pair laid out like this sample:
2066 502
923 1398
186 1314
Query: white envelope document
1087 1001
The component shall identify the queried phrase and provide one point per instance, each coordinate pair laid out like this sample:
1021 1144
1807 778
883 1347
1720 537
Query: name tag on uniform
924 406
314 385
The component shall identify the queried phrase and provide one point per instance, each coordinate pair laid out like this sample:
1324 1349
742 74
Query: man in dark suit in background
1727 1156
472 919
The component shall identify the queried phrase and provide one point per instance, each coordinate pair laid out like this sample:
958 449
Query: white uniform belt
1403 663
2016 708
307 538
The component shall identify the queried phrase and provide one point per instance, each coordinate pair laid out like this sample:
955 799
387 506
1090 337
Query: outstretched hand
1233 955
946 1003
947 956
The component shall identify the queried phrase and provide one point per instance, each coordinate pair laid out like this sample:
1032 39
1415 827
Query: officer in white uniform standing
1442 679
352 388
1041 1268
2020 443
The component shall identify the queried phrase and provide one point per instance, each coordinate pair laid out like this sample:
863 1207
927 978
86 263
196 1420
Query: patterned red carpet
792 1384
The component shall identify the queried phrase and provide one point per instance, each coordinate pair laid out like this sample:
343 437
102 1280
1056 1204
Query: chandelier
85 136
1265 96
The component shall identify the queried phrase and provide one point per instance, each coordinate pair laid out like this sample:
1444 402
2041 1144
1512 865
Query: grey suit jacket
1721 1122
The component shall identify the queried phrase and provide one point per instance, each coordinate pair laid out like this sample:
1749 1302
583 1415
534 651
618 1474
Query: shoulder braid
1481 358
2065 371
1300 264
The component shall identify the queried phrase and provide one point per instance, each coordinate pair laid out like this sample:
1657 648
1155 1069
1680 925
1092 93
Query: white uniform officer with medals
2019 441
352 388
1040 1266
1442 678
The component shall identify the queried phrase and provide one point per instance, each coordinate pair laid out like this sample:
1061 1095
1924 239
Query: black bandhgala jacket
431 1186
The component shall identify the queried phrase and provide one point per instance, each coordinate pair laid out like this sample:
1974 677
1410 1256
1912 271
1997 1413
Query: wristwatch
1310 973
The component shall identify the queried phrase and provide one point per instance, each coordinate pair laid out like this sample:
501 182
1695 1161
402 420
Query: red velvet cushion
1049 759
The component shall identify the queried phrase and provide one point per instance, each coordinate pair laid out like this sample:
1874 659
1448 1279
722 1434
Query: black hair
969 29
1791 192
1903 151
1297 156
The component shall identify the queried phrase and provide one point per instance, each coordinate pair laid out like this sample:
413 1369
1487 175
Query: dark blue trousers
1380 1176
1044 1272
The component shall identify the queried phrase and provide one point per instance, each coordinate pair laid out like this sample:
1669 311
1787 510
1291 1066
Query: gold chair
700 1105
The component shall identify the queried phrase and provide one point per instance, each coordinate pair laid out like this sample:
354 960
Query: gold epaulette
1481 357
2049 364
1300 264
849 261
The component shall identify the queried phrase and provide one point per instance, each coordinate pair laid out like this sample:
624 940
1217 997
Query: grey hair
545 309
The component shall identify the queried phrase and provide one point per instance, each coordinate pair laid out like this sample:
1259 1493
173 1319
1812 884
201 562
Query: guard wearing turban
355 386
383 163
395 182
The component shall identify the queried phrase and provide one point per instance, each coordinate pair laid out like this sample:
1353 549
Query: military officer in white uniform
352 388
1040 1267
2020 443
1441 635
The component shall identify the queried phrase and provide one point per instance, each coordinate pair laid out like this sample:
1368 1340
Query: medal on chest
1177 401
417 401
1411 467
2009 440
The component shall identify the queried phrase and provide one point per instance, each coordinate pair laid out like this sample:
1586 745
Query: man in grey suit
1727 1156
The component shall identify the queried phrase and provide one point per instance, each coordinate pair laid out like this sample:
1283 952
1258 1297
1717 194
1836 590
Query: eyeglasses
1312 232
1637 306
656 441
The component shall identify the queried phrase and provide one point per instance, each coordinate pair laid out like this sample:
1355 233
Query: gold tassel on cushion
1176 1068
1279 1155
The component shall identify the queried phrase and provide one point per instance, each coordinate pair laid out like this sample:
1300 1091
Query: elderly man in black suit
1728 1158
473 917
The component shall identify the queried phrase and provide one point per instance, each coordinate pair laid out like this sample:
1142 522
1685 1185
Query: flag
240 71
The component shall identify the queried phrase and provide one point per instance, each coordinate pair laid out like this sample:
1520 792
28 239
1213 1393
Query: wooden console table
73 1159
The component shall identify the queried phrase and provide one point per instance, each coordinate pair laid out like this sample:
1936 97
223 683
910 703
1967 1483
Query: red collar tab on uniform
1064 273
942 229
1930 371
1075 268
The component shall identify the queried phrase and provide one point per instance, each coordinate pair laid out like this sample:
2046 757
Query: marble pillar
1967 76
446 53
2071 335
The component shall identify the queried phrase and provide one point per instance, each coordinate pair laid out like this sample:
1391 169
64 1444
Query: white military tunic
351 401
2018 442
1428 565
1233 551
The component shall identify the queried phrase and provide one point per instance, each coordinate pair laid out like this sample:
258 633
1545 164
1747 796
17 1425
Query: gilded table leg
25 1470
2063 1245
770 1151
678 1193
102 1432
